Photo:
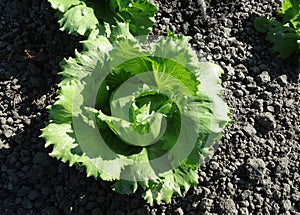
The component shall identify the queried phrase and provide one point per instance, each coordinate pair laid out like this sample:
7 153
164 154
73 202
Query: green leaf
174 58
139 13
172 183
92 57
284 40
283 35
57 135
62 110
140 169
178 49
120 31
64 5
117 5
79 19
263 24
291 12
98 43
125 187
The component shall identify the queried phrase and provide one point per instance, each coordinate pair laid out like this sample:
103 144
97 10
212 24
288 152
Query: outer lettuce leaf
62 110
85 63
80 19
56 133
172 183
85 17
139 13
63 5
177 48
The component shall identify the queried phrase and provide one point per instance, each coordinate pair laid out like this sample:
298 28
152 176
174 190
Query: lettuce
85 17
284 35
142 114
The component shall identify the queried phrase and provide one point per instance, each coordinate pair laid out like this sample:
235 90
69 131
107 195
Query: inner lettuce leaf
142 115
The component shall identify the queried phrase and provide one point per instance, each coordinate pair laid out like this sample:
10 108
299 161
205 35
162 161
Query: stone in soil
266 121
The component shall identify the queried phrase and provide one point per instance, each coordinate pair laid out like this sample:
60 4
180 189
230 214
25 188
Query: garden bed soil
256 167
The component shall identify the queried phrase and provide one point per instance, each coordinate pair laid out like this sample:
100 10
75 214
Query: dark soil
256 168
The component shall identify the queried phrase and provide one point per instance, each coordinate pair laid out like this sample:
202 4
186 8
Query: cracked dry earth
256 167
